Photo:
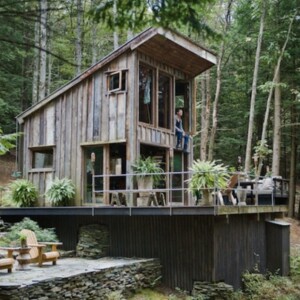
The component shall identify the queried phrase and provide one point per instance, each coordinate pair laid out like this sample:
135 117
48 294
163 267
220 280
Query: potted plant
23 240
61 192
147 172
23 193
206 176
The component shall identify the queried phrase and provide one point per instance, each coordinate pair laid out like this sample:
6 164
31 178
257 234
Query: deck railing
173 190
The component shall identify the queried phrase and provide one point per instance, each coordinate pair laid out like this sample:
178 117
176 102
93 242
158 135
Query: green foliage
135 15
271 286
23 240
61 192
7 141
23 193
8 112
295 267
262 150
147 167
115 295
12 237
207 175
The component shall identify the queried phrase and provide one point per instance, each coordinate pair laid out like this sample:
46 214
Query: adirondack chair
228 191
8 262
37 249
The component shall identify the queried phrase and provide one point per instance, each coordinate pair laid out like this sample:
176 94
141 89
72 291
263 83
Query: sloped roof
167 46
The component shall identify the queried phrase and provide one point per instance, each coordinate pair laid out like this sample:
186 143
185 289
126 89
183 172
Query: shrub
23 193
61 192
295 266
13 235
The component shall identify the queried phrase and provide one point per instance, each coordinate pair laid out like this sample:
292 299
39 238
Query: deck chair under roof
37 249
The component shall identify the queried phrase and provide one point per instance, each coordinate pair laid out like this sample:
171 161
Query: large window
146 78
164 101
155 97
42 158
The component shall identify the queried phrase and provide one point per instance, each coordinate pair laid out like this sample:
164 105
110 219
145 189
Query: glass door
93 164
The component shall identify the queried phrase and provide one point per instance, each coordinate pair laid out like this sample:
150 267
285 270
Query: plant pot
207 197
144 183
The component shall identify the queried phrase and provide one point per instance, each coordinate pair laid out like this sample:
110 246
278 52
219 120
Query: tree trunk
78 46
205 113
36 62
43 53
277 129
215 107
219 82
293 162
116 36
264 129
253 91
94 36
49 77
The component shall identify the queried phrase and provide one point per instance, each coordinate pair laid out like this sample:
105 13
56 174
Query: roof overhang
175 50
168 47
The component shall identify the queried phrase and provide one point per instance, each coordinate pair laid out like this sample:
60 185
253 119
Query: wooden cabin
122 108
119 109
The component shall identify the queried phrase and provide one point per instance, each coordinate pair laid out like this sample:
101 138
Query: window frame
171 96
122 74
42 150
153 94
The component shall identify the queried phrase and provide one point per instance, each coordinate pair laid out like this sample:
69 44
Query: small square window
42 159
116 81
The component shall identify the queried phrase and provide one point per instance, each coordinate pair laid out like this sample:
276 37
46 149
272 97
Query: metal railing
173 190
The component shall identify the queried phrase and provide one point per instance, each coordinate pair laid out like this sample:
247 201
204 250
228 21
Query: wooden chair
8 262
37 249
228 191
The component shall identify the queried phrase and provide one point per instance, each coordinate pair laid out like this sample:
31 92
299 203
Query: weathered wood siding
190 248
155 136
87 113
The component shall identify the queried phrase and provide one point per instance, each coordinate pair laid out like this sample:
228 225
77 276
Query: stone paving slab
66 267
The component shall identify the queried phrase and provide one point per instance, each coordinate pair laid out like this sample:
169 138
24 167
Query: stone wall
93 241
111 283
208 290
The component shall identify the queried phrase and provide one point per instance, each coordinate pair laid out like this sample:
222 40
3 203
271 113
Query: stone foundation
93 241
109 283
207 290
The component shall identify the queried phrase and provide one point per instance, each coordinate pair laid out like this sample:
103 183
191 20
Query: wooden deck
144 211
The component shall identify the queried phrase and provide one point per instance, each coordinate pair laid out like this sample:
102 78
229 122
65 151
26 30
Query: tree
275 78
134 15
205 113
43 47
227 21
78 47
254 88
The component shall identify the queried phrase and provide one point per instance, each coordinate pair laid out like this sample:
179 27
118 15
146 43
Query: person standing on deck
179 131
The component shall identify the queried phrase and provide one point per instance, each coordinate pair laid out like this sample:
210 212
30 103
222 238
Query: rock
93 241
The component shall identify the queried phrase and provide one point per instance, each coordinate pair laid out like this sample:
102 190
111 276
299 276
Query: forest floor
294 233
